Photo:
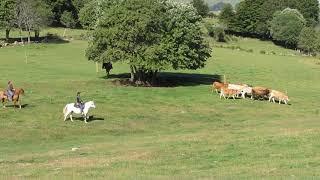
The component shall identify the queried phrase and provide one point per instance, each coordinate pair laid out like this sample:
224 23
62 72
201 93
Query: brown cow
218 85
260 92
229 92
277 95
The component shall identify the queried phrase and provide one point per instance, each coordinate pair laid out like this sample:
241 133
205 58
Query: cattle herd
228 90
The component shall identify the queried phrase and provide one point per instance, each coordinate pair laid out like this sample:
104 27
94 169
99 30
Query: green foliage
252 15
201 7
247 16
68 20
150 35
286 26
7 15
87 16
58 7
7 12
218 32
309 40
227 15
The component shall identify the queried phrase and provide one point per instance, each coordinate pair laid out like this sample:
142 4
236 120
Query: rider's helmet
9 81
78 93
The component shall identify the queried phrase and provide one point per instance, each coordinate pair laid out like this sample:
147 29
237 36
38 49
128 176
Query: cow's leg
279 101
270 98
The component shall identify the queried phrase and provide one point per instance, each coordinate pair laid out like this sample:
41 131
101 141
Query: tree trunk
29 36
140 76
132 73
7 34
20 33
64 32
37 34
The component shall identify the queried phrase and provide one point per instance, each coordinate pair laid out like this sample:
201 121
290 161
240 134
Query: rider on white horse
70 109
79 103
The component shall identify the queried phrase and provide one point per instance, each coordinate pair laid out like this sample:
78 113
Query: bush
217 32
262 52
250 50
308 40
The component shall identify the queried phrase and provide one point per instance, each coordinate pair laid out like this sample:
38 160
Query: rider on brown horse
10 91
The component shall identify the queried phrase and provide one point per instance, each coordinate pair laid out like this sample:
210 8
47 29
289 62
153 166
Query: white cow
238 87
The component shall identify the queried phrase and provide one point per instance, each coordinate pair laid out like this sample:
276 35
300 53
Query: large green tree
31 15
227 15
149 35
201 7
7 15
286 26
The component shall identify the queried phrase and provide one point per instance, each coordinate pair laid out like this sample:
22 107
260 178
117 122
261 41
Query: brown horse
16 97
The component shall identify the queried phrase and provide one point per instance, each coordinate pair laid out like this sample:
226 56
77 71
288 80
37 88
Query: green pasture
178 132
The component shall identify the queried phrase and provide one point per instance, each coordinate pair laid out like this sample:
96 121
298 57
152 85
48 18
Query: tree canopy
252 16
286 26
201 7
7 15
149 35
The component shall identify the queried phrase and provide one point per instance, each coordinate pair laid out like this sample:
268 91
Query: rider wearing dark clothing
79 102
10 90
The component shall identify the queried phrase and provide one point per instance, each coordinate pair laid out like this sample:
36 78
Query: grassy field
182 132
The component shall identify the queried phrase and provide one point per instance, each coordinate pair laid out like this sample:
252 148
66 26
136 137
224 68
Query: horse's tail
65 109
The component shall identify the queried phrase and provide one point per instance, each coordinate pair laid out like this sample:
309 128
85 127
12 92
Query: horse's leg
3 103
85 118
71 117
65 116
19 102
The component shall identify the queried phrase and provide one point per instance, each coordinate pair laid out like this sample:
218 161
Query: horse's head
19 91
91 104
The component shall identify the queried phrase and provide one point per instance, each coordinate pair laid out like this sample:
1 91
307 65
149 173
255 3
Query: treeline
32 15
284 21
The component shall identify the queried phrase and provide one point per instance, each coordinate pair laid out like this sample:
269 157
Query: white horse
69 109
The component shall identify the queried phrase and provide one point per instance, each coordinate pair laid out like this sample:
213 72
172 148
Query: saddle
78 105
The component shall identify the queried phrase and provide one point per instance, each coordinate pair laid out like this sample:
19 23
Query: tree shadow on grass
170 79
48 39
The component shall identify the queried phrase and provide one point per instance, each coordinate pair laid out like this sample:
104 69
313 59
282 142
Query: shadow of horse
91 118
17 106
